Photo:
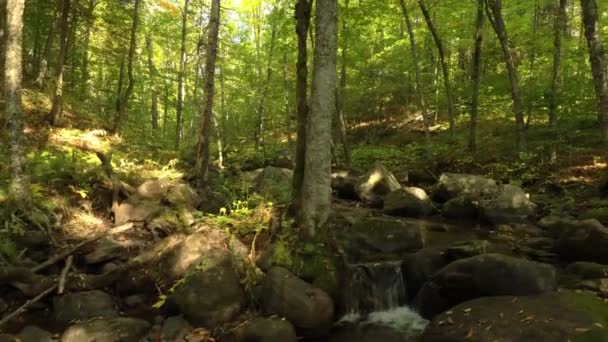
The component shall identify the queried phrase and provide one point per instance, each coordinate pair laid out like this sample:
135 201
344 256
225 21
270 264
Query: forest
300 170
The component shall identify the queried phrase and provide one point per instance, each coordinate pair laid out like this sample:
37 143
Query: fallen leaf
599 325
450 320
469 333
467 310
582 330
501 315
514 300
488 327
441 323
449 312
527 319
520 312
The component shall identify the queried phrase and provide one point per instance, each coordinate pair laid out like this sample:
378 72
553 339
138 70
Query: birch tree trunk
598 62
316 187
19 186
57 106
202 156
181 88
494 8
476 75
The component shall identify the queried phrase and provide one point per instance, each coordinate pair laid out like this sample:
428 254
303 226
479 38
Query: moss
597 310
600 214
320 269
282 255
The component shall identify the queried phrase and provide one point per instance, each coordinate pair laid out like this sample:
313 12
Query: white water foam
401 318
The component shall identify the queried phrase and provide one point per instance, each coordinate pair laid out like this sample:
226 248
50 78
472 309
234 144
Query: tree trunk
316 186
57 106
419 83
560 23
2 42
341 90
302 15
598 62
476 76
124 100
46 54
202 156
286 102
19 183
87 39
219 124
444 65
153 90
260 144
532 77
494 8
181 88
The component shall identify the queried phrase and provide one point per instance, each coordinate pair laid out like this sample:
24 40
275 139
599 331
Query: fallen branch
64 273
27 304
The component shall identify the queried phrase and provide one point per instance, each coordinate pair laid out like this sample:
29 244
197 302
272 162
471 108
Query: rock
213 202
376 238
460 208
118 329
344 184
211 295
32 239
452 185
135 300
134 209
309 309
153 189
600 214
83 305
183 196
3 306
483 275
105 250
32 333
175 329
377 183
600 286
264 330
583 241
408 202
275 184
510 205
588 270
549 317
8 338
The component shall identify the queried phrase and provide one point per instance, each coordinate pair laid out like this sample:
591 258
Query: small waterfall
374 286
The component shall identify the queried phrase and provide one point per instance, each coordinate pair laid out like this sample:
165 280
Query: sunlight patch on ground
82 224
93 140
587 174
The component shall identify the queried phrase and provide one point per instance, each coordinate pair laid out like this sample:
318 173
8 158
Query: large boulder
211 294
153 189
378 238
275 184
309 309
587 270
549 317
134 209
183 196
32 333
377 183
263 330
460 208
510 205
583 241
105 250
119 329
451 185
481 276
83 305
408 202
344 184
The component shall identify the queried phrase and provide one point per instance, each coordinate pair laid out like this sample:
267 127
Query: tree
57 106
316 186
202 155
597 58
444 64
419 83
45 56
476 76
494 9
181 87
560 23
2 41
264 95
302 15
123 101
19 186
153 88
341 89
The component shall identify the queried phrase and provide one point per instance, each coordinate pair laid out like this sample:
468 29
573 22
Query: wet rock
377 238
275 184
32 333
460 208
583 241
549 317
153 189
452 185
211 295
175 329
377 183
264 330
183 196
599 286
118 329
483 275
510 205
105 250
309 309
83 306
408 202
588 270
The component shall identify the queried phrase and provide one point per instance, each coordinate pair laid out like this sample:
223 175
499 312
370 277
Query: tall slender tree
476 75
316 186
260 144
153 88
341 89
202 155
13 65
560 23
445 69
45 56
2 41
57 106
181 75
599 64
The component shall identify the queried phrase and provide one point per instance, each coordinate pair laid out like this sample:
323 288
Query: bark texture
476 75
560 23
57 106
181 86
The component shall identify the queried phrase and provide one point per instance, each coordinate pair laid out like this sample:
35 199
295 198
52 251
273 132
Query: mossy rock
600 214
321 270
